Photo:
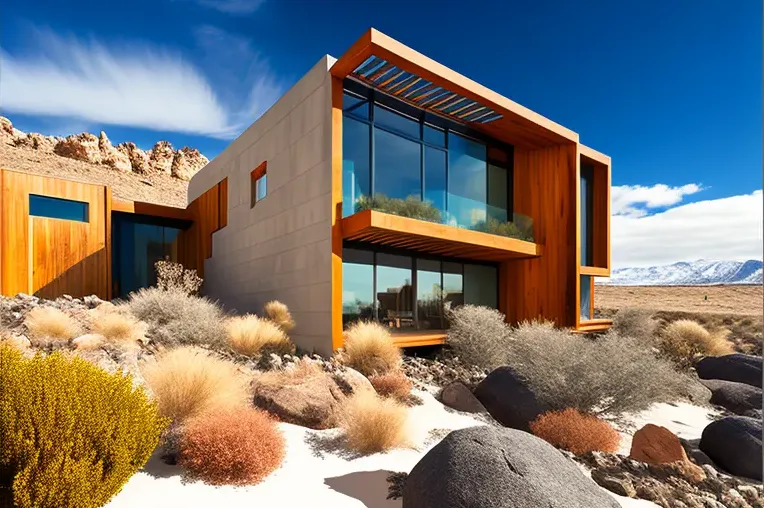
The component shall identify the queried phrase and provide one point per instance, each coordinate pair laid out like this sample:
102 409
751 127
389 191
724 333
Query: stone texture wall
280 248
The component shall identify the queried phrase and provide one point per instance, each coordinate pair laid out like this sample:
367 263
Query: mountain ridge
684 273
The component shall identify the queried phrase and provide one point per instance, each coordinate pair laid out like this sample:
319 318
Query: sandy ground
319 472
737 300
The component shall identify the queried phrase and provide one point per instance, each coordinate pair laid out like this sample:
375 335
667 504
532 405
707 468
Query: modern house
381 186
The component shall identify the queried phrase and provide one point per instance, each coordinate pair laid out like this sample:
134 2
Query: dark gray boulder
508 398
739 368
458 396
734 444
737 397
494 467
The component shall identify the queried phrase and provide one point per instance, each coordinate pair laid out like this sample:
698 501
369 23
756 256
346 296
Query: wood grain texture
209 213
600 215
545 189
416 339
336 205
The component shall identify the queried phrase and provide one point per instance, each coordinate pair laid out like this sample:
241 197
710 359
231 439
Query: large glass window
356 165
481 285
586 298
587 174
396 122
453 284
467 181
394 157
58 208
435 177
429 295
357 285
395 291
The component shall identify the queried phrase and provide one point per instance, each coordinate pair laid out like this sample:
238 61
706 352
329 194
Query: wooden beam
167 212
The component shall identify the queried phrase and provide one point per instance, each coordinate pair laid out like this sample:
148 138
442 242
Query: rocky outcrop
6 127
81 147
187 162
509 399
734 443
110 156
161 156
139 160
489 467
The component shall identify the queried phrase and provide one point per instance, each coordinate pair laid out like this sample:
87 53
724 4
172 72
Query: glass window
480 285
355 105
395 292
435 135
435 177
429 295
467 181
58 208
261 187
453 288
396 122
356 164
397 163
357 285
497 193
586 298
586 215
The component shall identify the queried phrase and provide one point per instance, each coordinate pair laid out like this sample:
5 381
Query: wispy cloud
236 7
637 200
727 228
134 84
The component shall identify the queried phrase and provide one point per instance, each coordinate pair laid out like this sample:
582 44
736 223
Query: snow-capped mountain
684 273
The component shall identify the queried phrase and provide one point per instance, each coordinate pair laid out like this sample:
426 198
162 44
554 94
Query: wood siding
209 213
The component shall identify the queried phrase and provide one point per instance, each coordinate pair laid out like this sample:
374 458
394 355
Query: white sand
317 471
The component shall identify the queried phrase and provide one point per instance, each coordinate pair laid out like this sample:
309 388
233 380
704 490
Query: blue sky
670 90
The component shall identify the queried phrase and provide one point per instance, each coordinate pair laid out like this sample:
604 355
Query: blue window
58 208
587 245
586 298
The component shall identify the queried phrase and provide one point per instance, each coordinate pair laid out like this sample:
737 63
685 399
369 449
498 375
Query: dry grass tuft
478 336
250 335
394 384
279 314
636 323
88 342
50 323
369 349
189 381
685 341
232 447
118 328
576 432
374 424
295 373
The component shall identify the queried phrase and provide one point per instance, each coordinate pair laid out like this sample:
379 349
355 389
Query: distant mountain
688 274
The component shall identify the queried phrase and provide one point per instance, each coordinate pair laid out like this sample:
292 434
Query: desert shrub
375 424
685 341
71 434
576 432
49 323
411 207
279 314
607 374
88 342
250 335
118 328
172 276
233 447
502 228
189 381
637 323
174 317
393 384
293 373
478 335
369 349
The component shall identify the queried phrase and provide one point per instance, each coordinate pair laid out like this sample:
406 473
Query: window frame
257 175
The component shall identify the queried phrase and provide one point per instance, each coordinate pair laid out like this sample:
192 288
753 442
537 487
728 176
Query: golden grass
393 384
51 323
576 432
374 424
118 328
295 373
250 335
279 314
88 342
684 341
369 349
189 381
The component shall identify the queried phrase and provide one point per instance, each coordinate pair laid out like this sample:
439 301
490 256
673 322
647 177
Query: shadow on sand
369 487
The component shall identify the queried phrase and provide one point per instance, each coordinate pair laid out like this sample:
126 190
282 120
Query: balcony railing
461 212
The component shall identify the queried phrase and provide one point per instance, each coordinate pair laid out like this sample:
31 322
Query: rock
508 399
734 443
160 157
17 341
737 367
36 142
694 453
457 396
656 445
6 127
110 156
620 486
139 160
89 341
490 467
313 401
82 147
737 397
187 162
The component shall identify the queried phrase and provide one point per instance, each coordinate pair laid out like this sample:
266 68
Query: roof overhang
381 228
382 62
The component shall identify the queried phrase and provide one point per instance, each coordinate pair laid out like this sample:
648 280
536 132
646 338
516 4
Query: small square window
259 180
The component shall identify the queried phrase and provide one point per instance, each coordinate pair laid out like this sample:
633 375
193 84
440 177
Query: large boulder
187 162
737 397
110 156
494 467
654 444
139 160
738 367
313 401
734 443
457 395
508 398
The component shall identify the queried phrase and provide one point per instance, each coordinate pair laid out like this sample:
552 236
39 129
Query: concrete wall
281 248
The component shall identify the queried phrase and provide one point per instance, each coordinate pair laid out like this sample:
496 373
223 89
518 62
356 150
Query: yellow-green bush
71 434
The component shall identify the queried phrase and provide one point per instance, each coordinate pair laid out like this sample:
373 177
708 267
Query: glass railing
458 211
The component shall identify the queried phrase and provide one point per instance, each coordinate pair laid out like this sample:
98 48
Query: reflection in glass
396 122
435 178
357 285
453 284
497 193
261 187
467 181
396 166
356 158
480 285
394 292
434 135
429 295
355 105
586 215
586 298
58 208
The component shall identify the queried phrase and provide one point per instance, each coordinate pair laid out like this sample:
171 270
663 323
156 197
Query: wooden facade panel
601 216
209 213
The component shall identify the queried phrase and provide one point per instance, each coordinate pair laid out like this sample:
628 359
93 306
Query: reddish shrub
234 447
577 432
393 384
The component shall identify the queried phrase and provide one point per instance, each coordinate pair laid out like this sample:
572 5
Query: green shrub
71 434
501 228
411 207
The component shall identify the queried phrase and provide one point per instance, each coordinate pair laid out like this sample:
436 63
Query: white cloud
634 200
232 6
135 85
727 228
